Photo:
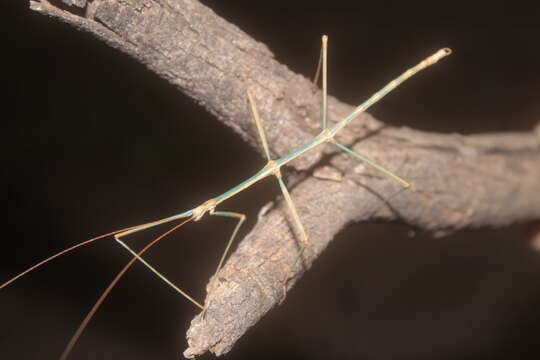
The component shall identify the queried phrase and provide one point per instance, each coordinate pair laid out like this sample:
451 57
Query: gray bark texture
458 182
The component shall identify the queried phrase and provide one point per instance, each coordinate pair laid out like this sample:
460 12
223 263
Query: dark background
92 141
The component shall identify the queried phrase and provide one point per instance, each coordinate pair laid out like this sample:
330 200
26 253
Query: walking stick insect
272 168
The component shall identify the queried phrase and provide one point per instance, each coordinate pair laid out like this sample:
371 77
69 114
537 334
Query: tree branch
458 181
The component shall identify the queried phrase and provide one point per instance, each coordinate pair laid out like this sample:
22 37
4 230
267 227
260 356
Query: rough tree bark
458 181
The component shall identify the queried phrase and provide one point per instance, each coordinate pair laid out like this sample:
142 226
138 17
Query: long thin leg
105 293
296 218
161 276
324 83
241 218
403 183
258 122
299 226
323 63
284 190
319 65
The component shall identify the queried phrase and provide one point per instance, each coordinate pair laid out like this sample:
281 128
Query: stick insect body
272 168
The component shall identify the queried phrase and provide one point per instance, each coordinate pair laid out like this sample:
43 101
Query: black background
92 141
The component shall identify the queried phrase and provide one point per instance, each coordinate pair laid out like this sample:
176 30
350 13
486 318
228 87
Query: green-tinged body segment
264 172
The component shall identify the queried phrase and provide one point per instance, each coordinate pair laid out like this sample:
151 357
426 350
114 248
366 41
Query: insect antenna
63 252
105 293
